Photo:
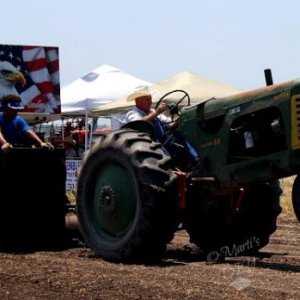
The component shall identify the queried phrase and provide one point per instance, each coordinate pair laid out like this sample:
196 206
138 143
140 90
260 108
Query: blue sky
230 41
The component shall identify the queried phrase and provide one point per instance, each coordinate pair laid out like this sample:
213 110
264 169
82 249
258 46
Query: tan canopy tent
198 87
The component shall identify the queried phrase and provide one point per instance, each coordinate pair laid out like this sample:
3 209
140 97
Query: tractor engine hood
213 107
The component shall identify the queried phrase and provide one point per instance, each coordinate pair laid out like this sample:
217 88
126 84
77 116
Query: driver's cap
16 105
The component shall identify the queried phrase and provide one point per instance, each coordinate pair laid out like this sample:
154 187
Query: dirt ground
183 273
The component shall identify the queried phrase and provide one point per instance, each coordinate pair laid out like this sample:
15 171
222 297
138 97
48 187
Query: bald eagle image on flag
31 73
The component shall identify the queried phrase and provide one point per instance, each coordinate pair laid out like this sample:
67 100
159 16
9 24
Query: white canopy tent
198 87
102 85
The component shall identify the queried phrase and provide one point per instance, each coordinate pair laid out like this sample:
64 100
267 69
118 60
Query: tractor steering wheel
173 107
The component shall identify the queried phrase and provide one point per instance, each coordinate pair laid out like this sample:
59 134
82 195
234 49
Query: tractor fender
142 126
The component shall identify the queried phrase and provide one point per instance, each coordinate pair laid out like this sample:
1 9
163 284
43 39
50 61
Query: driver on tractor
165 127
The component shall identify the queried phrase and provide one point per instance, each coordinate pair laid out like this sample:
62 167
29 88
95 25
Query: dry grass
71 196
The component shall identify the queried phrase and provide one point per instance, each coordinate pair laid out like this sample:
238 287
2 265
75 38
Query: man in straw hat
12 126
143 111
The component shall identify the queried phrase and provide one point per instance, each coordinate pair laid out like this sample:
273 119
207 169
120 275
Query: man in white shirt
143 111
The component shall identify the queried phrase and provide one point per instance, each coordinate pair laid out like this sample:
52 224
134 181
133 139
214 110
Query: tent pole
86 126
62 129
91 134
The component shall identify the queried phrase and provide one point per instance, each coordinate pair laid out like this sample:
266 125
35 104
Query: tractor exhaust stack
268 77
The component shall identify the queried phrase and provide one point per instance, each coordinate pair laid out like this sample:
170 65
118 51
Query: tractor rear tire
296 197
126 199
220 234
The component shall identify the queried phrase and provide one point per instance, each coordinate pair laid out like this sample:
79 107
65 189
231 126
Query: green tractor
133 191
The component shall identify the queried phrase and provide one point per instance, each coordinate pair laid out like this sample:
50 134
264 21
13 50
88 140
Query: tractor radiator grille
295 121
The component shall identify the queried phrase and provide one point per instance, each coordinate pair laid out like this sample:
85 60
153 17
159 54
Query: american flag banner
40 67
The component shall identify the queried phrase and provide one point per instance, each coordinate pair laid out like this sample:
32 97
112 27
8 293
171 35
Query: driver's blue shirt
159 122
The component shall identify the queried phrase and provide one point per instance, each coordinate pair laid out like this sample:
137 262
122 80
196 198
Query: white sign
72 166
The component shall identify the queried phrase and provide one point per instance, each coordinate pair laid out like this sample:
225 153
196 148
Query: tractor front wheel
220 232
